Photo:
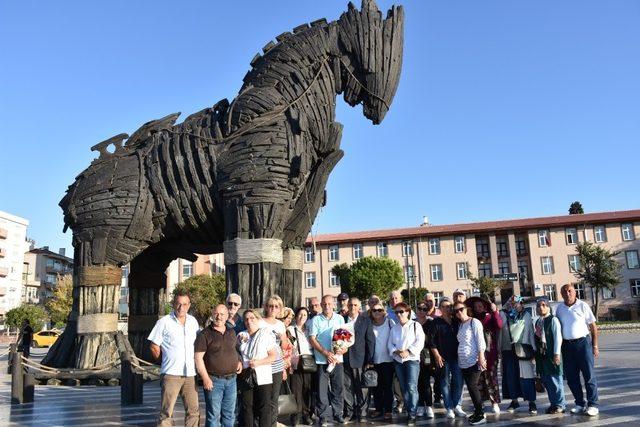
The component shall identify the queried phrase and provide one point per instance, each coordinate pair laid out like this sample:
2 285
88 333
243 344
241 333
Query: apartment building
531 256
13 233
41 269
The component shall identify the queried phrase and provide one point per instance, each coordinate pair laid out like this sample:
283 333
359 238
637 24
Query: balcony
4 272
3 233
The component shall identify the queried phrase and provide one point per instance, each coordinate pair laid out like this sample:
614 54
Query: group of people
397 357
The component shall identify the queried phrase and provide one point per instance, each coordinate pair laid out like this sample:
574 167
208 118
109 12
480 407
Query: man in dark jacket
358 357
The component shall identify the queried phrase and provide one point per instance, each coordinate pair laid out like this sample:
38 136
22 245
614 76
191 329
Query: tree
35 314
576 208
206 292
598 269
486 285
414 295
59 306
369 276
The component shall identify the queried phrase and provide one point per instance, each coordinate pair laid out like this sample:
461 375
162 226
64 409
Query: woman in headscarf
487 313
518 373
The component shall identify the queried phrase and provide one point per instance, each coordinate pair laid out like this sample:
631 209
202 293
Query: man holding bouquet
329 360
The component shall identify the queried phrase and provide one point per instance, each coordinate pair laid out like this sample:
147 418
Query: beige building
535 256
13 234
40 272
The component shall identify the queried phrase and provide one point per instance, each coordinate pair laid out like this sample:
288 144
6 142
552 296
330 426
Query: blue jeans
451 384
555 389
407 374
221 402
580 355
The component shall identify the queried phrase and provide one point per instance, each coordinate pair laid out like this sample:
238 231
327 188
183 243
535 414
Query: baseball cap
342 296
459 291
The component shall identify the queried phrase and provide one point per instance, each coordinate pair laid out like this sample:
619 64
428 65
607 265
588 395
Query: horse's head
371 56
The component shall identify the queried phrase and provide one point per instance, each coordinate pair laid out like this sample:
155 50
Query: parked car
45 338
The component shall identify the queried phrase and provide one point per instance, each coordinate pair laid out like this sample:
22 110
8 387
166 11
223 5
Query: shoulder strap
295 330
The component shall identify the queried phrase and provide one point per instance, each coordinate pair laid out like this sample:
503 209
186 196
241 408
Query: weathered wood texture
254 168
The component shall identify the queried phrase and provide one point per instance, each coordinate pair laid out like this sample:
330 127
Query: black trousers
354 403
275 393
471 378
301 387
383 393
256 406
425 391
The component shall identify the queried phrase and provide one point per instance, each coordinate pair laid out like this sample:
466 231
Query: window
334 279
125 271
51 278
310 279
608 293
632 259
407 248
502 247
503 267
574 263
547 264
482 248
357 250
571 235
334 253
600 233
434 246
521 246
409 274
627 232
461 269
550 292
49 263
635 287
484 270
309 255
436 272
187 270
381 249
437 297
459 244
543 238
580 293
523 268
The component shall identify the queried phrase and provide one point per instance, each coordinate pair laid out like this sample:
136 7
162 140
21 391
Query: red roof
479 227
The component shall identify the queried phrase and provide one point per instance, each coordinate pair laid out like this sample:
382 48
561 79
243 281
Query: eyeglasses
377 310
423 309
460 310
354 305
399 312
233 304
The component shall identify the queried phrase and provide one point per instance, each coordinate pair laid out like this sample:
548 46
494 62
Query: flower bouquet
342 339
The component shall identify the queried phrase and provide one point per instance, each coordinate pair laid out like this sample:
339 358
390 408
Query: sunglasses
233 304
354 305
460 310
423 309
377 310
399 312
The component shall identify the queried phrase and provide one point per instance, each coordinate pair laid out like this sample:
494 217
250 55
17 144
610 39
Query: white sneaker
459 412
450 414
577 410
429 412
495 408
420 411
592 411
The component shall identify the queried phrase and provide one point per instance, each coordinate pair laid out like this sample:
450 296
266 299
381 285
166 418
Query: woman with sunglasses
272 308
301 382
425 392
382 361
471 358
406 341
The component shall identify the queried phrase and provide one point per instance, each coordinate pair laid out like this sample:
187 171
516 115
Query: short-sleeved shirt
322 328
276 329
176 342
220 354
575 319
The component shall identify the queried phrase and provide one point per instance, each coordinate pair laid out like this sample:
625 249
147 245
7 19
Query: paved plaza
618 371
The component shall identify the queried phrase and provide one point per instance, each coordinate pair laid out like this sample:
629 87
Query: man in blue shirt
330 369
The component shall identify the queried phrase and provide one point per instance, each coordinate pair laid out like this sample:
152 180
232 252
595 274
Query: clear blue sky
506 109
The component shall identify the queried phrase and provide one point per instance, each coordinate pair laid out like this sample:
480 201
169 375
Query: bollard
17 379
131 383
12 352
29 385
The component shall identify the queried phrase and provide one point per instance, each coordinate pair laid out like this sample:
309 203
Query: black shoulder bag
306 362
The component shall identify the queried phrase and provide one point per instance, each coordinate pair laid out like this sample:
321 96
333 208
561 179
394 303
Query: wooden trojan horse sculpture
245 177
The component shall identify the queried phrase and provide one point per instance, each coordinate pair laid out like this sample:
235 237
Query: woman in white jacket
406 341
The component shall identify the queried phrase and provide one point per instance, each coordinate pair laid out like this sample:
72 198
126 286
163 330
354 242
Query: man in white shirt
580 347
172 339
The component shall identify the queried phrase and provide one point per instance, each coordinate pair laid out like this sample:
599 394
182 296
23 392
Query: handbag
369 378
306 362
521 351
287 404
539 386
